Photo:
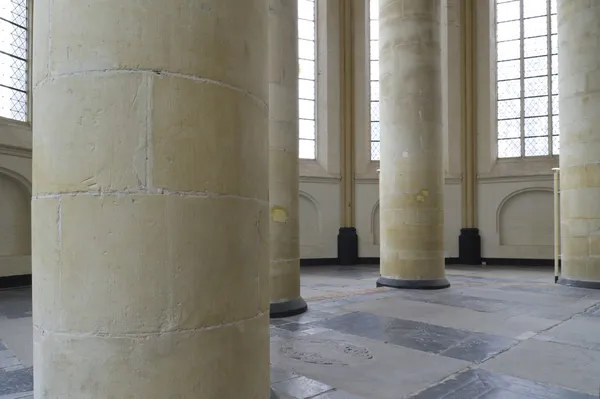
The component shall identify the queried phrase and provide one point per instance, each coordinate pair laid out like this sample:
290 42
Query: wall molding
448 261
483 179
320 179
15 151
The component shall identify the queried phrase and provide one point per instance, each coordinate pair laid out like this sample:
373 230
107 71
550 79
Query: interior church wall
515 200
15 195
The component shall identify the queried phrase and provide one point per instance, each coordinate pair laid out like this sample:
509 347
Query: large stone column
150 207
411 178
579 94
283 159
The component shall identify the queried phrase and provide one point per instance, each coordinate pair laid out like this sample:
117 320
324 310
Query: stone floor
497 333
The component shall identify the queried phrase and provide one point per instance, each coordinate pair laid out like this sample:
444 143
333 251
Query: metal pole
556 224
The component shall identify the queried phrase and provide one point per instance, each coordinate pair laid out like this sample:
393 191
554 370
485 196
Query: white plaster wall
514 195
319 218
15 198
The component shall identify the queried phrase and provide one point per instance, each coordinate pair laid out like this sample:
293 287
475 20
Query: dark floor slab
15 303
448 342
279 375
16 381
482 384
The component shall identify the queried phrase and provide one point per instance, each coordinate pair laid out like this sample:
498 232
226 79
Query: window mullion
522 20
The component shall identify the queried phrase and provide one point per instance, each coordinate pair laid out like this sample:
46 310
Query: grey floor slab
362 366
551 363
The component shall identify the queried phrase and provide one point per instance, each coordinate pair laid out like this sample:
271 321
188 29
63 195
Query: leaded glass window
527 78
374 78
306 78
13 59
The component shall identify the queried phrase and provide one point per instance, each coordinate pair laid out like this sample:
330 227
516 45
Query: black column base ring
594 285
413 284
288 308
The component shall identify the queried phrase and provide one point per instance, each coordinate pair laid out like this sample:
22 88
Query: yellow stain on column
279 214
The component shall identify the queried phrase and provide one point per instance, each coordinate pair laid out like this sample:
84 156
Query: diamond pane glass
536 86
306 82
13 59
509 148
374 77
375 150
555 125
374 111
537 66
526 72
556 145
535 46
375 131
509 128
536 106
536 127
509 109
536 146
554 84
554 64
509 70
509 89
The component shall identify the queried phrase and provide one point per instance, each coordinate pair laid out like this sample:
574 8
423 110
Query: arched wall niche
310 221
525 218
15 215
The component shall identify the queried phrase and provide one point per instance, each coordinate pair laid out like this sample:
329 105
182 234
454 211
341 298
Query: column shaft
283 159
411 182
579 95
150 207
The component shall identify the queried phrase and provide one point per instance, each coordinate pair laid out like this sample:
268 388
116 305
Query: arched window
527 78
13 59
374 77
306 78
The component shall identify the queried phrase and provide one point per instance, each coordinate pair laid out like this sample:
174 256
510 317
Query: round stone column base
594 285
413 284
288 308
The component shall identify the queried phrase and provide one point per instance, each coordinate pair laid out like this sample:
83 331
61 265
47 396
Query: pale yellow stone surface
579 98
150 200
283 150
156 366
411 176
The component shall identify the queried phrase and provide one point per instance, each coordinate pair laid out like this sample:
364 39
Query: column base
347 246
594 285
413 284
273 395
288 308
469 247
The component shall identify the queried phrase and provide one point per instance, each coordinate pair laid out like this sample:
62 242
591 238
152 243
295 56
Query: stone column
150 206
579 94
411 178
283 159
